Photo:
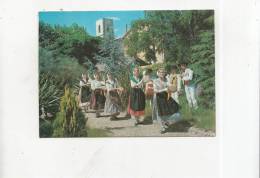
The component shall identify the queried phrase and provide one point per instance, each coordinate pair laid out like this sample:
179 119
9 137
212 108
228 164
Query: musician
174 81
189 85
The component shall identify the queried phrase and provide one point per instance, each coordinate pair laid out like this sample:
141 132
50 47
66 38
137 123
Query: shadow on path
181 126
120 118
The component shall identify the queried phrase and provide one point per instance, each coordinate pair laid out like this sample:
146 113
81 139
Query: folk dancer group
97 94
161 93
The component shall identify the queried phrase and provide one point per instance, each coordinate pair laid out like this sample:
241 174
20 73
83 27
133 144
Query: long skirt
85 94
136 105
113 103
165 108
98 99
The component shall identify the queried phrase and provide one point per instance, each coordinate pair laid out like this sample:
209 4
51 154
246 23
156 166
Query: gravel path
124 127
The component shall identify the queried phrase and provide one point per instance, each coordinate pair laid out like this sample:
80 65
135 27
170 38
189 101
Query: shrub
63 69
70 121
46 129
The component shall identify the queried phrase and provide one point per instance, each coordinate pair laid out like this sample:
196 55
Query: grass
148 112
95 132
201 118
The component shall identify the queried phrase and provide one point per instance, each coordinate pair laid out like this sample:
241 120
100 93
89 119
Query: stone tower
105 28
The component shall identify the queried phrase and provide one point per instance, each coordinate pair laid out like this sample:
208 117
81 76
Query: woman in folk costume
84 91
136 105
166 110
174 81
113 103
98 99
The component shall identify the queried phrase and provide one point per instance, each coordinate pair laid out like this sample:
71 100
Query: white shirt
187 74
111 84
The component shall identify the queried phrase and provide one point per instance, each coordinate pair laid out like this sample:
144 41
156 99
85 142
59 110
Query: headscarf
132 67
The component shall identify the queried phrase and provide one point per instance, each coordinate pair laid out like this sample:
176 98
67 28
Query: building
105 28
141 55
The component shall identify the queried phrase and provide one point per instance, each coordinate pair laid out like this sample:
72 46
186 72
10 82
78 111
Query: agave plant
49 96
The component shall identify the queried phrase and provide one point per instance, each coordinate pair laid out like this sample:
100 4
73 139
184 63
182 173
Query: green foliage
96 132
48 94
180 35
65 52
46 129
202 117
203 59
65 70
141 39
72 41
70 121
111 55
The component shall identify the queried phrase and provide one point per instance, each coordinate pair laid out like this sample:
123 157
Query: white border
231 154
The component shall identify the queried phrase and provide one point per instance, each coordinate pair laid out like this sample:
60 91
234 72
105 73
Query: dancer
98 99
84 91
113 103
166 110
174 81
136 105
189 85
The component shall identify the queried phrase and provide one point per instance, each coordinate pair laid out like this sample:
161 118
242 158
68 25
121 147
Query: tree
180 35
140 39
111 55
72 41
64 70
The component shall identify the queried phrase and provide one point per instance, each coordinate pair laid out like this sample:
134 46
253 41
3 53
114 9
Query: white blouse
83 83
138 83
111 84
160 85
95 84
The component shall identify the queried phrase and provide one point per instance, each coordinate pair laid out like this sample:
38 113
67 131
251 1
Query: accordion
149 89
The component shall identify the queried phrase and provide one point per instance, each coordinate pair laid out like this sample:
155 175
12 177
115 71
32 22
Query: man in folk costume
136 105
148 83
174 80
166 110
98 99
189 85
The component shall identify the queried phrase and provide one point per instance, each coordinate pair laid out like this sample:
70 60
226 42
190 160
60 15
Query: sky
88 19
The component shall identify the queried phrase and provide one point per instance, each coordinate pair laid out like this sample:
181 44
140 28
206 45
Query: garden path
124 127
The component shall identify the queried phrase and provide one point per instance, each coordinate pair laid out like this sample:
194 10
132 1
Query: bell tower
105 28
